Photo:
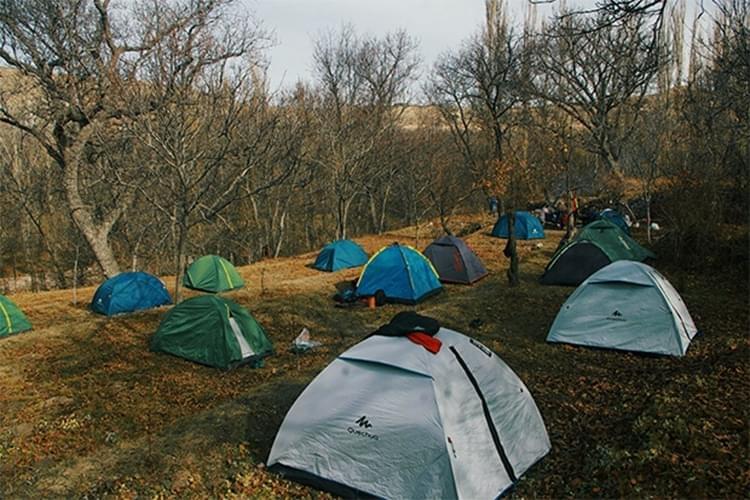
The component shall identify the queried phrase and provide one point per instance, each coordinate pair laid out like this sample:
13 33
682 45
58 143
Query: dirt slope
86 409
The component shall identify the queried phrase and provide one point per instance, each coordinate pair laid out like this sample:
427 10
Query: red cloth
430 343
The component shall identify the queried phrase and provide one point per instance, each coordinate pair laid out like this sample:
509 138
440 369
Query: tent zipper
487 416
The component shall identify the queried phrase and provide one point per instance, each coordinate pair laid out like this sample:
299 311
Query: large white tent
391 419
626 305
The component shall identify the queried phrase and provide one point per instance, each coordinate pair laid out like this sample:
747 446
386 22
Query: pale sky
438 26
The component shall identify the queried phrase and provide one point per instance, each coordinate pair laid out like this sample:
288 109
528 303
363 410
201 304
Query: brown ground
87 410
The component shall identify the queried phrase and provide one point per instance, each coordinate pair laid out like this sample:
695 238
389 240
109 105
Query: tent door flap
245 348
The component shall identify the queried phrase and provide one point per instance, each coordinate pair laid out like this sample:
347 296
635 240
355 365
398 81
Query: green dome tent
12 320
212 273
213 331
598 244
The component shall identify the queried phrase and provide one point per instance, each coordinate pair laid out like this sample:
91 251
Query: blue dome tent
616 218
402 273
340 254
128 292
527 227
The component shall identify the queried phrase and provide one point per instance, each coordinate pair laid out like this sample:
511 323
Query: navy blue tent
527 227
616 218
402 273
340 254
128 292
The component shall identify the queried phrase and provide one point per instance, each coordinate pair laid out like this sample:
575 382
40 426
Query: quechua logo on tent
616 316
363 423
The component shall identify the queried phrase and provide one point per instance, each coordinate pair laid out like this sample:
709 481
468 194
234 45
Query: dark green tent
12 320
212 273
213 331
598 244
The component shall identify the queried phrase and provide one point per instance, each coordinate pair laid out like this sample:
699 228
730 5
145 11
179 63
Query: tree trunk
179 258
75 277
511 251
383 209
96 234
280 238
340 223
444 219
373 212
648 218
416 232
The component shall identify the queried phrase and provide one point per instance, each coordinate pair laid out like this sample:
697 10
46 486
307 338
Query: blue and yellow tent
526 227
128 292
340 254
402 273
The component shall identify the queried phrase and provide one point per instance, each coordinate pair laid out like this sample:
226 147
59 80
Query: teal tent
212 330
340 254
128 292
526 227
629 306
402 273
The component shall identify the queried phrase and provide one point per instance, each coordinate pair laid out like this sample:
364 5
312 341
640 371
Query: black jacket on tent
454 261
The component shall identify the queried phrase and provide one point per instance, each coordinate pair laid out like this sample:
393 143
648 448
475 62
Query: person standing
493 205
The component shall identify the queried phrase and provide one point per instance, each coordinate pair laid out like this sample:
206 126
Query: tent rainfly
12 320
526 227
128 292
615 218
454 261
340 254
596 245
402 273
391 419
212 273
213 331
628 306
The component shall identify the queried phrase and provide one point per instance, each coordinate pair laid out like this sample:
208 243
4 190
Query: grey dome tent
626 305
390 419
454 261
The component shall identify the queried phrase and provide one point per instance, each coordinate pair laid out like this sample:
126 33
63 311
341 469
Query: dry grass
87 409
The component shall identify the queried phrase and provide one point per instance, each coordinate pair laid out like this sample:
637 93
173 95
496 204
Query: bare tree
598 74
214 125
41 233
646 151
72 60
359 81
476 90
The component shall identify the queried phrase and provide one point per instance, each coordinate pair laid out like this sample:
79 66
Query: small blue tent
527 227
340 254
128 292
402 273
616 218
